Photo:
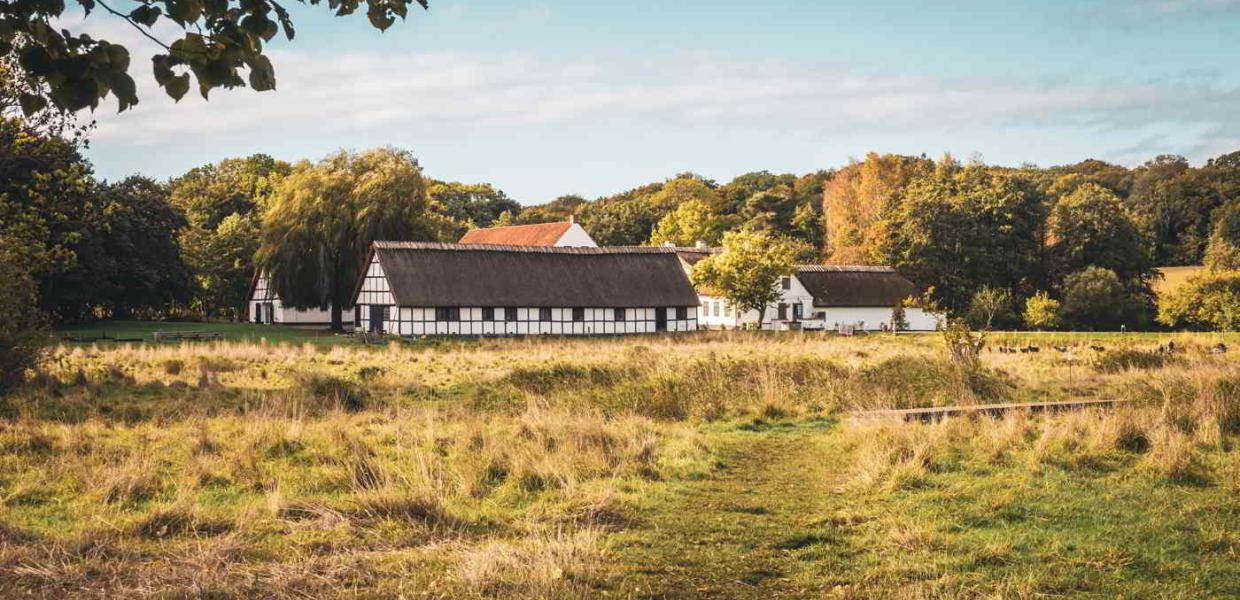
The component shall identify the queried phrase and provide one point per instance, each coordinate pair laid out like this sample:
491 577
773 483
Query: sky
543 99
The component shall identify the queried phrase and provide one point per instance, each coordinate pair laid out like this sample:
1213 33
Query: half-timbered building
264 306
426 288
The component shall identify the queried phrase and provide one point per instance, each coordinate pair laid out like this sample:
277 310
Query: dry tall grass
495 468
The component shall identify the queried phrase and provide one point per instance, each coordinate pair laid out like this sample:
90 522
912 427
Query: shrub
340 392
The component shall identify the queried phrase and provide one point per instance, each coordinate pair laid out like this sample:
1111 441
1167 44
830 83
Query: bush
341 392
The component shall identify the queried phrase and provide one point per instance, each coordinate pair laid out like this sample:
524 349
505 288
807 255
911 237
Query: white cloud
344 94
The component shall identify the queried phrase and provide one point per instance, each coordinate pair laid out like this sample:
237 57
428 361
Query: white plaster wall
576 237
604 325
280 313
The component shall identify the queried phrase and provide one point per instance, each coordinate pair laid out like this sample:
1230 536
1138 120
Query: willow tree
323 217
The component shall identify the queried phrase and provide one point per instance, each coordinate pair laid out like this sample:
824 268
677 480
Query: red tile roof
541 234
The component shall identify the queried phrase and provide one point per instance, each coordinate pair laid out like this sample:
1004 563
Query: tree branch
134 25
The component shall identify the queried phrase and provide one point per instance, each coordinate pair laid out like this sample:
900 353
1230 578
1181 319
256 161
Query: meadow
721 464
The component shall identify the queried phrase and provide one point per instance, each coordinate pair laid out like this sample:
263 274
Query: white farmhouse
564 234
426 288
264 306
819 297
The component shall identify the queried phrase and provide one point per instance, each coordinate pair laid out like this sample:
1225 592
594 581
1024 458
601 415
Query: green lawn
230 331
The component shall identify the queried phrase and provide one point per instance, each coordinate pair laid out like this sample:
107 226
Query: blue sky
549 98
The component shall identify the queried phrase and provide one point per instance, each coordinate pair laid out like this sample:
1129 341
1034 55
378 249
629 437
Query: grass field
720 465
1173 278
238 332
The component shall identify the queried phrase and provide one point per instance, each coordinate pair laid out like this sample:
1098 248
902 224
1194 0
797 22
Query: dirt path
740 533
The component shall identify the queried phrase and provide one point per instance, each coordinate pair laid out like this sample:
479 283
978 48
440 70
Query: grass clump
1129 359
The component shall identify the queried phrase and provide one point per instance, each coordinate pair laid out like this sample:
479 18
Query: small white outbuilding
264 306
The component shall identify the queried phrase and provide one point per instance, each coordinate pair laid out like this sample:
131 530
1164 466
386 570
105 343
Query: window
783 311
785 282
682 313
797 310
619 314
448 313
727 310
488 313
579 315
544 314
510 314
715 307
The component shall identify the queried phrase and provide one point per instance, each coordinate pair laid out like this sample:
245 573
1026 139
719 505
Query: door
258 312
271 312
783 311
376 319
660 319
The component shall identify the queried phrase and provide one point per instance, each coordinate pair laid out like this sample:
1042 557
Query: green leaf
262 75
118 56
163 69
124 89
145 14
184 11
379 17
32 104
285 21
177 86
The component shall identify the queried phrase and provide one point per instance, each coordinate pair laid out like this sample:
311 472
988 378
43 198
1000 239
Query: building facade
422 288
820 297
264 306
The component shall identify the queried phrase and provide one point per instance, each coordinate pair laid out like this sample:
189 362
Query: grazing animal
1219 348
1060 348
1097 348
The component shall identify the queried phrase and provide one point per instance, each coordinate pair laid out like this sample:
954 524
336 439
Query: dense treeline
1072 245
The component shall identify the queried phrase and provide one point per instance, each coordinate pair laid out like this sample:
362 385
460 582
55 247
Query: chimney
572 219
699 244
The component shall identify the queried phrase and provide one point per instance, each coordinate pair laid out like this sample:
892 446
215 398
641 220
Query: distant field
239 332
1173 278
714 465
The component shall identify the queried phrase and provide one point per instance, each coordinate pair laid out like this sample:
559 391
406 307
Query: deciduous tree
748 269
1210 300
220 40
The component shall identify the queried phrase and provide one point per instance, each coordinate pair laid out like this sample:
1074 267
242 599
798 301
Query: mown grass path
738 533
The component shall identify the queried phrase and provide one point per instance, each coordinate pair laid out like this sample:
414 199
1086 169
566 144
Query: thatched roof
841 286
540 234
692 254
433 274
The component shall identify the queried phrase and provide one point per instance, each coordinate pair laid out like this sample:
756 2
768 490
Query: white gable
576 237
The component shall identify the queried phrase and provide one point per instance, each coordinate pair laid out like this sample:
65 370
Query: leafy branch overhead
222 40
